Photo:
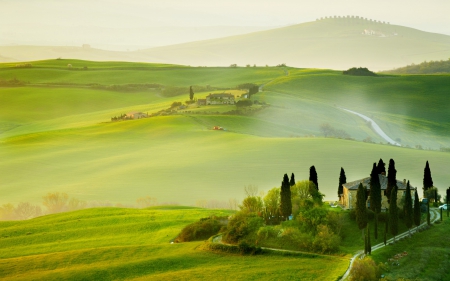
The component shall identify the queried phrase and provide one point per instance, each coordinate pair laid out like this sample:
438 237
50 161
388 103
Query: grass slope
428 255
110 244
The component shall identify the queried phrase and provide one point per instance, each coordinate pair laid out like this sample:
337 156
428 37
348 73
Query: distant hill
430 67
337 43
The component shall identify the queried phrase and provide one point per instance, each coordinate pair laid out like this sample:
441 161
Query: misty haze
211 140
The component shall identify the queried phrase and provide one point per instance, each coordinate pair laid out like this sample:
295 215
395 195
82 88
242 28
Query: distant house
201 101
348 198
220 99
136 115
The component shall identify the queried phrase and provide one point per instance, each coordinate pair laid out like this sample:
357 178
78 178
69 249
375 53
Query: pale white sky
75 21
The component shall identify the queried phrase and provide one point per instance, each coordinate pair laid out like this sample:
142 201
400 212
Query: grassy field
111 244
428 255
54 138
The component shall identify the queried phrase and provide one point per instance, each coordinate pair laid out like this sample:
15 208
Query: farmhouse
348 198
201 101
136 115
220 99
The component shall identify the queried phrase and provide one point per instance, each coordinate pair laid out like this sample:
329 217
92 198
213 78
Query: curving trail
375 127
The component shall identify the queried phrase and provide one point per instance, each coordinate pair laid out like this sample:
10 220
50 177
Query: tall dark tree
393 213
361 209
369 244
342 180
191 93
313 176
292 181
408 209
381 167
416 209
391 179
285 198
375 196
427 180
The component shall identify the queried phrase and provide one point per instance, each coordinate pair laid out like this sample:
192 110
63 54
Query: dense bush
424 68
244 102
325 240
202 229
361 71
364 270
242 225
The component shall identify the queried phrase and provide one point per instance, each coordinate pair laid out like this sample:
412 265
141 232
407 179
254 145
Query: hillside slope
336 43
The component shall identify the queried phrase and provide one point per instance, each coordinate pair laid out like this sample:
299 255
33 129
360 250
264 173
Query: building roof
401 185
221 95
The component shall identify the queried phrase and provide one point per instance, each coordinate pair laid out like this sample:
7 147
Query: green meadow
135 245
55 133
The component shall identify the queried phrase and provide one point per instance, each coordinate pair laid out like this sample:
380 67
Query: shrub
201 230
361 71
242 225
297 239
364 270
326 240
247 249
244 102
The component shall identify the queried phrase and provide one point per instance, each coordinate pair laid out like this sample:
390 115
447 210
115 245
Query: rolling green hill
112 244
337 43
55 133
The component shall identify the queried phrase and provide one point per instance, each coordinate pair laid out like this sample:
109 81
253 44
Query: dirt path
434 216
374 126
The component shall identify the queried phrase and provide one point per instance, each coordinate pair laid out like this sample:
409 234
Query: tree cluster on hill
202 229
12 82
431 67
330 132
360 71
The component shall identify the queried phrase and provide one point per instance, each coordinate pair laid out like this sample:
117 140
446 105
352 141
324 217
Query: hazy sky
56 20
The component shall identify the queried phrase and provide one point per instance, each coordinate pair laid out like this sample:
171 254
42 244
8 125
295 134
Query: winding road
374 126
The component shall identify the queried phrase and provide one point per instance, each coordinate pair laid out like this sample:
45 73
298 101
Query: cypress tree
393 213
369 245
381 167
342 180
361 209
427 180
416 209
292 181
391 179
407 208
313 176
386 227
191 93
375 196
285 198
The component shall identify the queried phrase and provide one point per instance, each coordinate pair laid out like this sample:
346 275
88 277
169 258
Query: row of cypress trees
411 215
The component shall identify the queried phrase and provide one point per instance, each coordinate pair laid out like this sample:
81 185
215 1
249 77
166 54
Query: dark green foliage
175 104
428 212
342 180
247 249
244 103
202 229
427 180
441 66
292 181
361 209
191 93
381 167
386 228
407 207
375 190
253 90
369 245
242 225
285 198
391 179
313 176
393 212
416 215
375 195
360 71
